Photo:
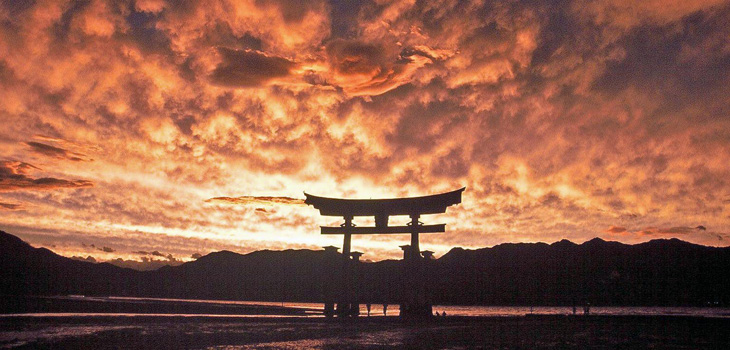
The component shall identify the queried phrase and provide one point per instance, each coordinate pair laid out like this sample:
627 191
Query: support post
414 233
348 237
330 283
343 303
406 283
355 296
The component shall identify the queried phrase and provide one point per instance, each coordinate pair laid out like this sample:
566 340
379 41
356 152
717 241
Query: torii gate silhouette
414 304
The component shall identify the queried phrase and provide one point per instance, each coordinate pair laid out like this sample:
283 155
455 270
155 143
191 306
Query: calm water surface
315 309
113 330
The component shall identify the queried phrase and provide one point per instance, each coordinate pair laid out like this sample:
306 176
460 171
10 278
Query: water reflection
376 310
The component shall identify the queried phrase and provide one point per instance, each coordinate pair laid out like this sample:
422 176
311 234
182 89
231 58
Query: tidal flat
202 332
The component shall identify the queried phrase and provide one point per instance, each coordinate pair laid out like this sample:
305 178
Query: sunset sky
182 127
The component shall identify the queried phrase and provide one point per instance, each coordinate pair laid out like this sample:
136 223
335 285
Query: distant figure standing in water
385 309
368 307
587 309
574 309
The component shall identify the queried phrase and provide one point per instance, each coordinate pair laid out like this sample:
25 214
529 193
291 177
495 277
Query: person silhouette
368 307
385 309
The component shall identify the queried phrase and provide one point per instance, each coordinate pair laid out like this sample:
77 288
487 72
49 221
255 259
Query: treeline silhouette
659 272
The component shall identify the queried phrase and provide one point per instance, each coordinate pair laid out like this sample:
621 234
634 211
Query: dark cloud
677 230
616 229
258 200
146 264
223 35
56 152
144 33
344 18
655 54
248 68
8 168
169 257
46 183
89 258
13 178
11 206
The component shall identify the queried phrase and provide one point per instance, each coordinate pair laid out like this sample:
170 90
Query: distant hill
659 272
25 270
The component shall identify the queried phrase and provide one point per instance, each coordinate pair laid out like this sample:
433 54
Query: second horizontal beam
365 230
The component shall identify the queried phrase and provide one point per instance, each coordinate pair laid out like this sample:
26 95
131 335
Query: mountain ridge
657 272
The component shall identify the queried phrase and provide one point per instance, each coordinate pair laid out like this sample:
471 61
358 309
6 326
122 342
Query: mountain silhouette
25 270
658 272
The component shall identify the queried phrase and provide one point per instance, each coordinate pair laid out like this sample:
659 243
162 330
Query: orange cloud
258 200
11 206
56 152
615 229
362 68
557 118
13 177
678 230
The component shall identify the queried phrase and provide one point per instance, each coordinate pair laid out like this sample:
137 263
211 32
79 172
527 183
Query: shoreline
493 332
320 318
129 306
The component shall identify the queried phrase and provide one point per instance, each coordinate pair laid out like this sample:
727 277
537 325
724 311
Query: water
376 310
262 329
565 310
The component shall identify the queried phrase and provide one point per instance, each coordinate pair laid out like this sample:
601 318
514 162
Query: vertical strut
345 299
348 237
414 234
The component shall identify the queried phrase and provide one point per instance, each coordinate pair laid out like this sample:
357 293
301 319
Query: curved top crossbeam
433 204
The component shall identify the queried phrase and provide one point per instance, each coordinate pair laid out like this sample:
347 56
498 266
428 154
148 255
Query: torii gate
382 209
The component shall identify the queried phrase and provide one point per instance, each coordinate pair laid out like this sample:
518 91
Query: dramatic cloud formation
564 119
372 69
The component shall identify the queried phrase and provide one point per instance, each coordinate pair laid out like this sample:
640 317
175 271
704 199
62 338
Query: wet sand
527 332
